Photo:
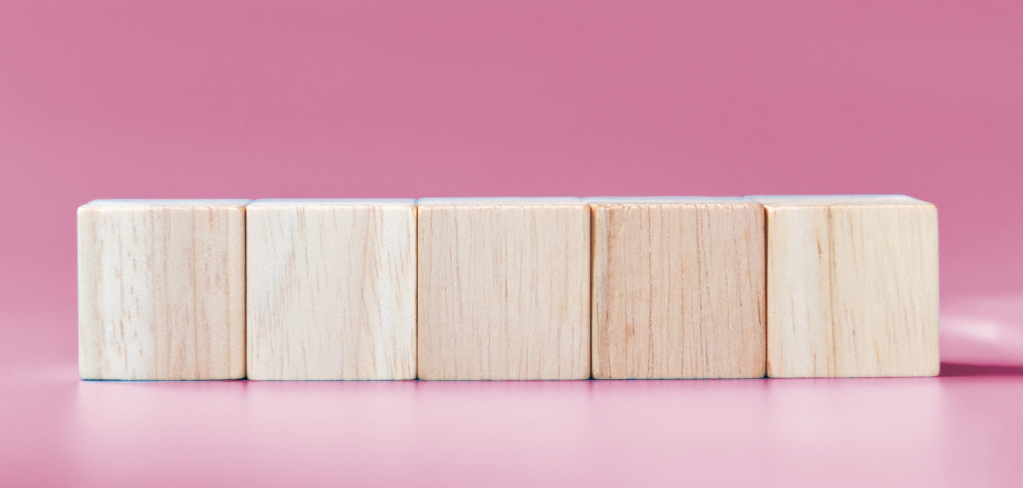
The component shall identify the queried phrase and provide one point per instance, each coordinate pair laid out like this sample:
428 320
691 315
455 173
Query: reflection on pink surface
984 330
946 431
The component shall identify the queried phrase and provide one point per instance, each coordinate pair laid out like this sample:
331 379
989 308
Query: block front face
504 290
852 289
678 289
161 290
331 290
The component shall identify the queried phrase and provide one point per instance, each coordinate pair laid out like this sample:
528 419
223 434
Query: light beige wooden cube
852 286
161 289
504 287
332 290
678 288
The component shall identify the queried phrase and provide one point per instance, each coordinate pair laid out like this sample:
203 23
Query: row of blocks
508 289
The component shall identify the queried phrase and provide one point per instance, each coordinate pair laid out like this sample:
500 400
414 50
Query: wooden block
504 287
161 289
678 288
332 289
852 286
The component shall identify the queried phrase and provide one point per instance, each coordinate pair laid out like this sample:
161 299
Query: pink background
105 99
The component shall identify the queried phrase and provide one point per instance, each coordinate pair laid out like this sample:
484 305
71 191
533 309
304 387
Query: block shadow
953 369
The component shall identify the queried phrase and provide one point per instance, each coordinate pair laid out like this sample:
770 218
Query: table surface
964 428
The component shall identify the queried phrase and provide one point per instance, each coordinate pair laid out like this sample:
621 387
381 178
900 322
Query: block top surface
331 202
829 200
498 201
667 200
128 203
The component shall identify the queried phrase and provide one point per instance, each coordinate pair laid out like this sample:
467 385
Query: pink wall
409 99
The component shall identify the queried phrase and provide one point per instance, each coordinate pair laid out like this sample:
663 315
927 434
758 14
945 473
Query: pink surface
948 431
108 99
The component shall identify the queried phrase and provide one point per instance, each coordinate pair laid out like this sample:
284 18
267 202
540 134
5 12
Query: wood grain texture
332 290
852 286
678 288
504 289
161 289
